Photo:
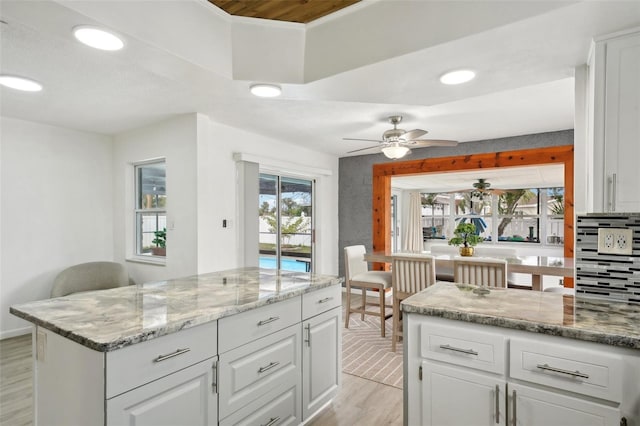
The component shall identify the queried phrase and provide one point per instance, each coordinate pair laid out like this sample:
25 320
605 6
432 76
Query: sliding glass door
286 223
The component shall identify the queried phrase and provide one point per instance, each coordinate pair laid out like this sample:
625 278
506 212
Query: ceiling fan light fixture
20 83
457 77
263 90
395 151
97 38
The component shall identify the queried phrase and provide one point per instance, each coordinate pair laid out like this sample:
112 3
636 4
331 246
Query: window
150 211
516 215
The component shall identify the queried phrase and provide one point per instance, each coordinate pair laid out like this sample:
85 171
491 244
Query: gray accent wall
355 177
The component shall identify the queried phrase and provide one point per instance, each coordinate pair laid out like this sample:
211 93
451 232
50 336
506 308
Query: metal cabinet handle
308 339
562 371
214 381
464 351
325 300
497 397
268 320
268 367
614 179
272 421
515 415
161 358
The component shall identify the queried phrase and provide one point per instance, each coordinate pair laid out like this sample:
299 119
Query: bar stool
358 275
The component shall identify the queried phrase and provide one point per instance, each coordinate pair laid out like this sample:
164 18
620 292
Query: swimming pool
287 264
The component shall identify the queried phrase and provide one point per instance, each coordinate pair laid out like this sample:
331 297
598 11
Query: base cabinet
186 398
460 373
480 398
321 360
538 407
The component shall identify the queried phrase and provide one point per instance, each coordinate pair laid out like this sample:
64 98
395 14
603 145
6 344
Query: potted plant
465 236
160 241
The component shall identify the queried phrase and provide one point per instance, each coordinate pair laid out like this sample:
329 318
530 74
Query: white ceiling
341 75
547 176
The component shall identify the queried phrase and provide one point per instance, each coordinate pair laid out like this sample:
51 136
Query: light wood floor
360 401
16 373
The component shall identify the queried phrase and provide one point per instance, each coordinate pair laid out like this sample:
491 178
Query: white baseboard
16 332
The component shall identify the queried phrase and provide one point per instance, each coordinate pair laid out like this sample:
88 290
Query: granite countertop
107 320
595 320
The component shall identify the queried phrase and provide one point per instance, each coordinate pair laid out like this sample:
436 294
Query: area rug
365 354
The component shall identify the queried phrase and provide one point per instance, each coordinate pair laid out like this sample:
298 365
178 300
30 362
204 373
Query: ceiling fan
482 188
396 143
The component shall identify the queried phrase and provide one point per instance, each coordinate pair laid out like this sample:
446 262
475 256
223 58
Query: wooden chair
480 271
358 275
411 274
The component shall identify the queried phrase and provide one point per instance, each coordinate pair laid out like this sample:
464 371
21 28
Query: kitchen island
516 357
247 345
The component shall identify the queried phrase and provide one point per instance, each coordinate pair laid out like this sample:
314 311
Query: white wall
56 192
68 197
217 191
175 140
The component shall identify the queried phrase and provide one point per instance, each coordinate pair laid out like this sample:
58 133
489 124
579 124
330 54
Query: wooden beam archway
382 174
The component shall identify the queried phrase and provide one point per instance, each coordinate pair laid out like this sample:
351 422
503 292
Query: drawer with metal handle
139 364
577 368
237 330
252 370
472 348
319 301
273 409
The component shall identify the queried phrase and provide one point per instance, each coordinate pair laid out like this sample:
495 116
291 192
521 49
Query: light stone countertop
594 320
107 320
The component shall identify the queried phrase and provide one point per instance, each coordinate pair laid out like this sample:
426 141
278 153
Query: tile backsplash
607 276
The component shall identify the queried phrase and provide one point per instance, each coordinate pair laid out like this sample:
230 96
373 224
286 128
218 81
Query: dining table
536 266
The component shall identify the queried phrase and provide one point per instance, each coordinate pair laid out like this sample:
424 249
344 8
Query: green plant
160 239
465 235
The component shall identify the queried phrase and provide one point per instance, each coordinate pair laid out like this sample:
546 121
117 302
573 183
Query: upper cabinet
614 122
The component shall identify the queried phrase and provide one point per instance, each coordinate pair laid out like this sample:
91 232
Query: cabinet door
186 397
321 360
536 407
622 124
460 397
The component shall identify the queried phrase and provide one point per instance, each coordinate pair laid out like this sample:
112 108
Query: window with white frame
150 210
528 215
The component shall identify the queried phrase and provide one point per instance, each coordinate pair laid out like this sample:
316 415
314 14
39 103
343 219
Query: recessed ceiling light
98 38
265 90
20 83
457 77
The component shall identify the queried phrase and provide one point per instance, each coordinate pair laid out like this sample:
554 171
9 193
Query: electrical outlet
615 240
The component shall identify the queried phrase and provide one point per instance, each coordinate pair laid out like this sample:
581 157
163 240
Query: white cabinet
614 122
479 398
185 398
321 360
529 406
460 373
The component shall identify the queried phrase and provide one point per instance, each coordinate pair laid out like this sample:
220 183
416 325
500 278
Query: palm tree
507 204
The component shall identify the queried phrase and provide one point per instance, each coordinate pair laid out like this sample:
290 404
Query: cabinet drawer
279 410
575 368
270 364
317 302
138 364
248 326
470 348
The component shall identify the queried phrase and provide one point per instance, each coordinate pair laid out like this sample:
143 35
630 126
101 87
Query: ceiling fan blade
412 134
366 140
363 149
431 142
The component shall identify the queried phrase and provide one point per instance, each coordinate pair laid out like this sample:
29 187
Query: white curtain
412 238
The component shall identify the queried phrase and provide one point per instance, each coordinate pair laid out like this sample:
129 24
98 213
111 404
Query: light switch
615 240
